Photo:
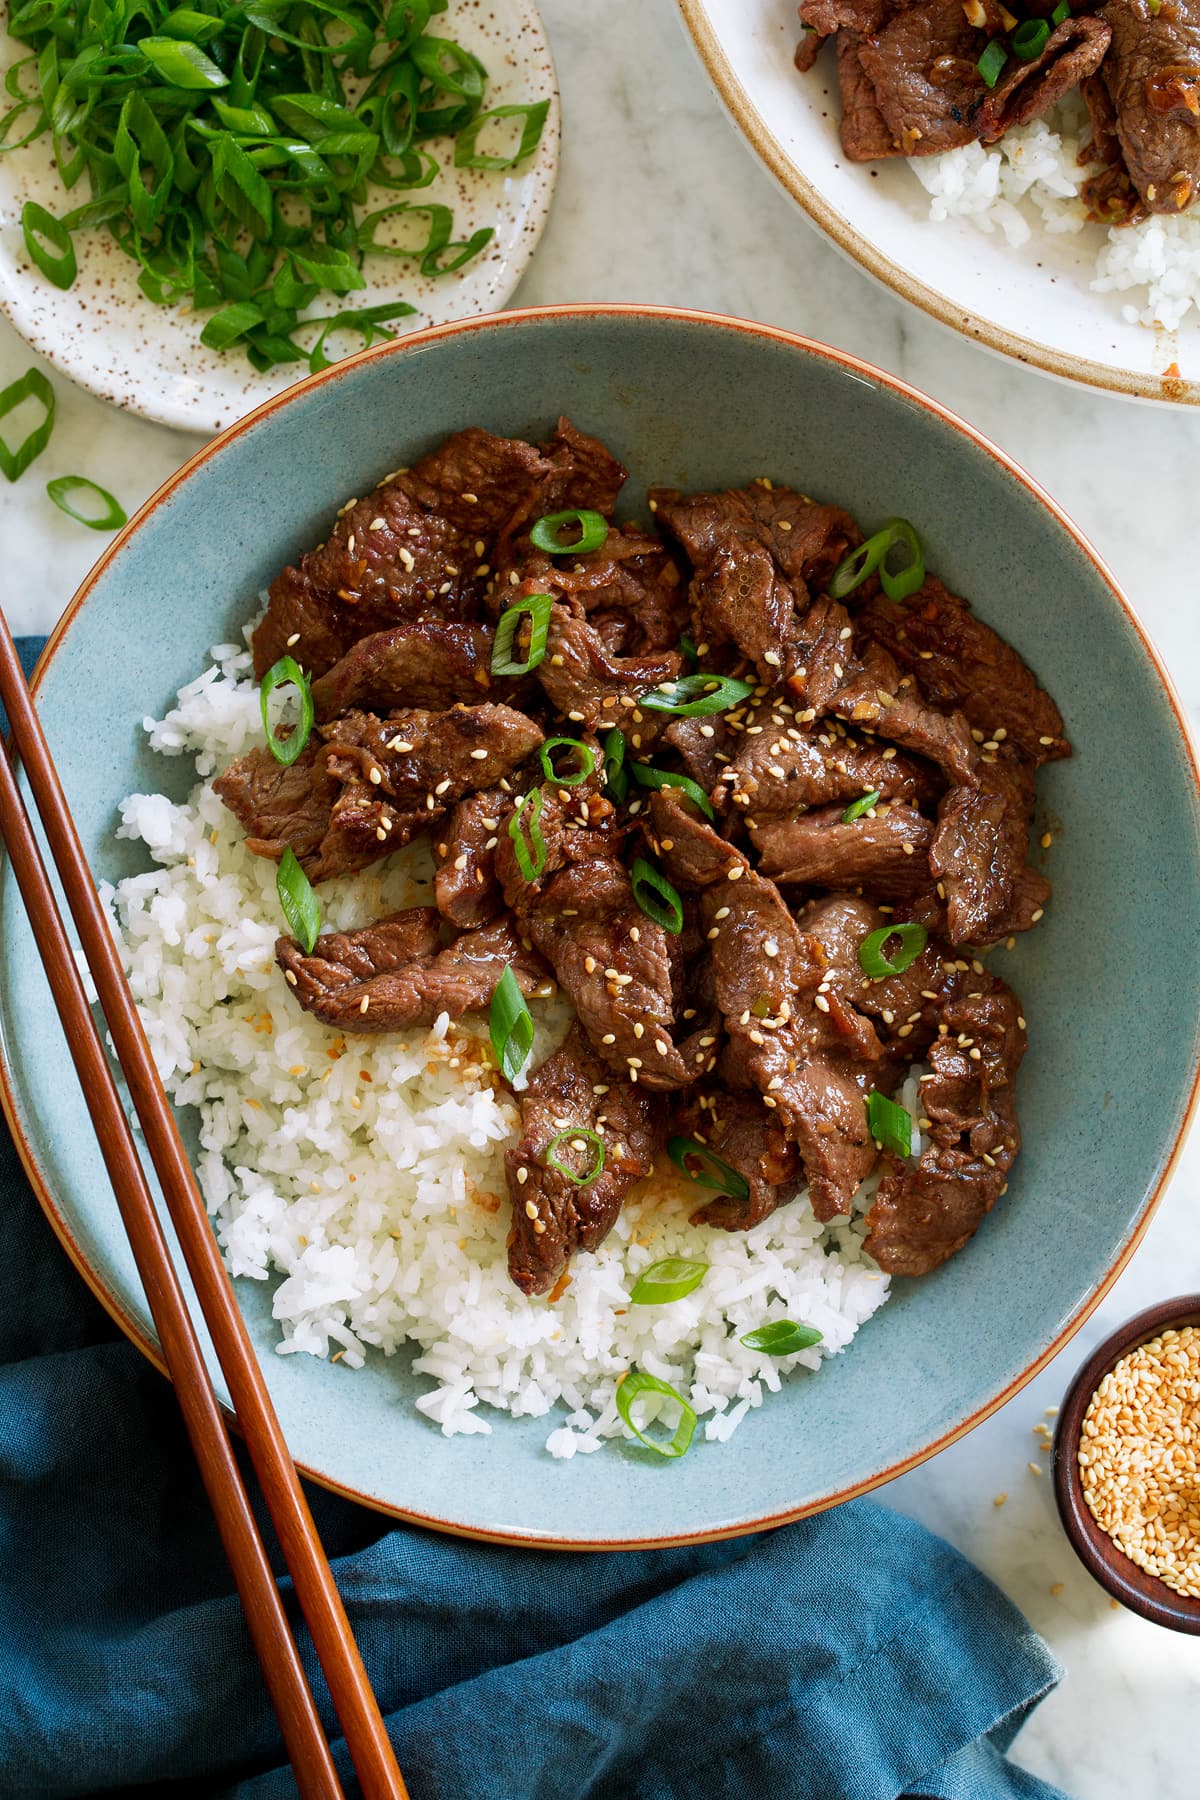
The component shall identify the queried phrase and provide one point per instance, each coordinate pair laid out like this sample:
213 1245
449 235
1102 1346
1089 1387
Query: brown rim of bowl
1163 389
1103 1559
419 341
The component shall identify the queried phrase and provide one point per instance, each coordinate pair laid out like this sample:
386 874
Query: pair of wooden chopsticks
349 1686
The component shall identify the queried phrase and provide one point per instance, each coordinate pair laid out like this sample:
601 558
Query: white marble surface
659 201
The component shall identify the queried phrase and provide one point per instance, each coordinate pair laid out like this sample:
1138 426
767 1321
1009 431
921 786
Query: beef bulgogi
918 77
749 795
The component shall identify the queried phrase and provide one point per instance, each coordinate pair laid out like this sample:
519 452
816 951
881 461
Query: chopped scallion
696 696
616 775
591 529
49 244
33 385
875 553
537 608
991 63
872 959
578 1141
647 777
637 1386
858 807
712 1171
467 155
301 908
511 1025
656 897
782 1337
671 1279
287 673
587 761
531 857
1030 39
890 1125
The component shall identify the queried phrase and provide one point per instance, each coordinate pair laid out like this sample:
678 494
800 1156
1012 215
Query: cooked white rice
1031 177
368 1171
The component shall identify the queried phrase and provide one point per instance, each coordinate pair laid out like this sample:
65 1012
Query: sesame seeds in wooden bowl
1127 1464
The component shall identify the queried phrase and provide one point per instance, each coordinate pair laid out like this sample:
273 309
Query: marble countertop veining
659 201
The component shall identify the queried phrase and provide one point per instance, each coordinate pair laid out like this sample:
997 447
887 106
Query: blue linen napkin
848 1657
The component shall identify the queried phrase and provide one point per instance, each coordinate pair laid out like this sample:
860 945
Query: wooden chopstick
349 1686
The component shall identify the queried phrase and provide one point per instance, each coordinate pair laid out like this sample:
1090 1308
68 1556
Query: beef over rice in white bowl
573 941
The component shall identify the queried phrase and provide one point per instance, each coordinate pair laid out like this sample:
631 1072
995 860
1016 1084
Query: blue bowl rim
418 341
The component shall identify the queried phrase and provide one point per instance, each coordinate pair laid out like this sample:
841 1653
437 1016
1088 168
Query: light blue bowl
1111 981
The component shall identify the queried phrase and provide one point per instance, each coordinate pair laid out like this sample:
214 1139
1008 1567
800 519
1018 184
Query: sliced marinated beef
423 543
808 1054
1109 195
615 965
921 66
373 980
756 550
864 16
596 689
886 849
877 697
738 1128
465 886
423 761
432 665
575 825
554 1216
923 1214
781 770
702 745
865 133
1152 72
979 849
960 663
631 590
1025 90
278 804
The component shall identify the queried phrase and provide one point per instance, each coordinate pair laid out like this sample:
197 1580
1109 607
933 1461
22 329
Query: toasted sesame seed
442 786
1034 1468
773 658
364 1003
608 1038
294 639
531 1211
479 755
290 978
375 776
400 744
999 1499
821 1003
1045 740
407 558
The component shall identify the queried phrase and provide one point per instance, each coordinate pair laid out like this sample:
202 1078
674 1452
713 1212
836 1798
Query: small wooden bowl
1124 1580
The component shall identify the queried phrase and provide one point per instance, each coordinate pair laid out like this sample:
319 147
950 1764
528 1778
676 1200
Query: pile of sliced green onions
912 939
511 1025
287 673
877 553
889 1124
228 147
301 908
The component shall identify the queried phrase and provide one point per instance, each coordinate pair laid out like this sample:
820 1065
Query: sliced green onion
647 777
301 908
287 672
890 1125
616 775
1030 39
872 960
713 1172
30 386
64 486
687 644
656 897
546 534
898 584
695 696
635 1386
531 857
181 64
467 156
991 63
782 1337
511 1024
49 244
858 807
667 1280
583 751
537 606
1063 11
578 1140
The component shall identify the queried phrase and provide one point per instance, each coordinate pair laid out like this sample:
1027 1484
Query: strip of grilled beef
631 590
423 543
596 689
1152 73
553 1216
959 663
738 1128
780 771
389 974
885 849
465 887
979 850
432 664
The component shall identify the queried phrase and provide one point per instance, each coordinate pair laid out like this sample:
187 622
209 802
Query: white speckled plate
1033 303
106 335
